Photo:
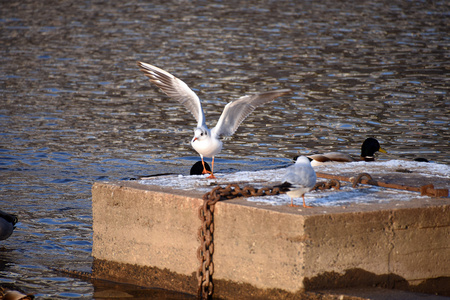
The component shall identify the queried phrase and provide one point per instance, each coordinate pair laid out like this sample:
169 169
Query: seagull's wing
235 112
307 176
300 175
176 89
290 175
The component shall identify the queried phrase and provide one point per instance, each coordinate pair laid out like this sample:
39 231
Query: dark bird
368 149
7 224
197 168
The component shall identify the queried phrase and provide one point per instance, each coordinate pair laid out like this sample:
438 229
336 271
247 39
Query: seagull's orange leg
204 168
304 204
212 170
292 203
206 171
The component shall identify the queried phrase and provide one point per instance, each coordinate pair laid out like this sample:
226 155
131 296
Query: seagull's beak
194 139
382 150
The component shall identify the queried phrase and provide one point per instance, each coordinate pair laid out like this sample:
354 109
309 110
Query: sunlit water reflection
75 109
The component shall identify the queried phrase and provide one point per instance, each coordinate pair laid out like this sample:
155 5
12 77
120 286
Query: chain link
333 183
360 177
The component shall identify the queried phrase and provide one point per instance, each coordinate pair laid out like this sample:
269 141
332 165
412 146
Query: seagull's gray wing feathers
300 175
235 112
176 89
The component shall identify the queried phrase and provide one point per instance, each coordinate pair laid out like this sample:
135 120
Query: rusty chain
206 249
360 177
205 232
333 183
365 178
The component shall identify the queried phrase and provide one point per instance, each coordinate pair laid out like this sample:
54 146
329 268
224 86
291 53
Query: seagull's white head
200 134
303 160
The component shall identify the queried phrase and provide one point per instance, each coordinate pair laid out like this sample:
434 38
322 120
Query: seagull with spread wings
206 142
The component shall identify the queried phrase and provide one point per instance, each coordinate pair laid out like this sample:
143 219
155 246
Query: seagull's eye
201 134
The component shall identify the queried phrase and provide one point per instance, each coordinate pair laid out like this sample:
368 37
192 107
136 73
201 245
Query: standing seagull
299 179
206 142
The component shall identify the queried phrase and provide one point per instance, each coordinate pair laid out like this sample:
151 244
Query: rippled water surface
75 109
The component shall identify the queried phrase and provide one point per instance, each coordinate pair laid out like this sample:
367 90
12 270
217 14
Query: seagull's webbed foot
208 172
294 205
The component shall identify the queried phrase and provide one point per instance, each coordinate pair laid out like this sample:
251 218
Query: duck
368 149
7 224
6 294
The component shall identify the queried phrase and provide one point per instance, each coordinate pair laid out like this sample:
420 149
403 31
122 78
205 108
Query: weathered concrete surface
150 228
275 247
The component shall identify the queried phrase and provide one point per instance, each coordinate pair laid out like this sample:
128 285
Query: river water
75 109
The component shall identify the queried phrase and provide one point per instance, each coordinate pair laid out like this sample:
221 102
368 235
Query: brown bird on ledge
368 149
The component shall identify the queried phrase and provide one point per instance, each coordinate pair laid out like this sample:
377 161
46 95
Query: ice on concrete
347 195
383 167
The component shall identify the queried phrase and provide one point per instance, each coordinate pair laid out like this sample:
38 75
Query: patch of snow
421 168
345 196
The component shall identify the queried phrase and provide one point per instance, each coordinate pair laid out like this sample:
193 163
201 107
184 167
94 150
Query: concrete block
270 247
